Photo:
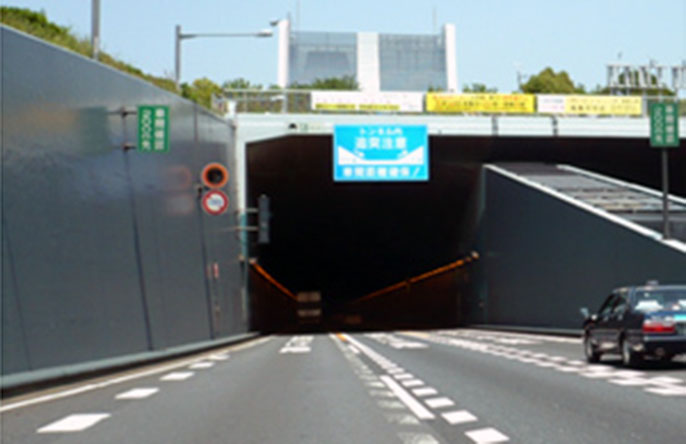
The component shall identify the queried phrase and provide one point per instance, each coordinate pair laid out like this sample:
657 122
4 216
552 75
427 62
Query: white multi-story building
379 62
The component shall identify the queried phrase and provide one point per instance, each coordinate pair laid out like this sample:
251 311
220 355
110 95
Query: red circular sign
215 202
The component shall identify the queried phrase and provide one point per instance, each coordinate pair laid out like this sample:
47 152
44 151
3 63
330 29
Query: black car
638 322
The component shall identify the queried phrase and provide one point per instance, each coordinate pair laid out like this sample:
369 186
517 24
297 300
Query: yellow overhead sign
480 103
604 105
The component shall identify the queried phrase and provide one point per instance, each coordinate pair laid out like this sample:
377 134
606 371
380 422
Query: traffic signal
263 216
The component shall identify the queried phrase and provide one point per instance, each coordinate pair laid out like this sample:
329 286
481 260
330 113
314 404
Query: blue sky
494 37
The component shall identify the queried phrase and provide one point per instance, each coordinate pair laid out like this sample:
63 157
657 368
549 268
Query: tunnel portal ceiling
349 239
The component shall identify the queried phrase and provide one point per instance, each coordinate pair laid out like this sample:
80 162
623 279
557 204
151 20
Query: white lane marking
424 391
120 379
354 349
297 344
410 402
488 435
138 393
74 423
201 365
177 376
381 393
668 391
417 438
375 384
666 380
401 418
403 376
412 383
437 403
629 381
458 417
219 357
393 370
394 405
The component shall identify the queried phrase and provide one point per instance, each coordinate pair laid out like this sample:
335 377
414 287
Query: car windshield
660 299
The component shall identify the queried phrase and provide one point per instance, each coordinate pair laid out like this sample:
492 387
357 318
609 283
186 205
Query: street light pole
180 36
95 28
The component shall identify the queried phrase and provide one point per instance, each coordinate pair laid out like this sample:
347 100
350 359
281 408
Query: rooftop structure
379 62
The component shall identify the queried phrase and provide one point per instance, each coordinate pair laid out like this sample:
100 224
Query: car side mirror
584 312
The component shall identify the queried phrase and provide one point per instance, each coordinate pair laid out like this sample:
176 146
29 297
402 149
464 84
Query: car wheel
629 357
592 355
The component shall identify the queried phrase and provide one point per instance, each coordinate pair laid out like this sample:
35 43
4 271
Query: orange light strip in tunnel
262 272
413 280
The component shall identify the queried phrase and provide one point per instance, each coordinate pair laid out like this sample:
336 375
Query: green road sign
153 129
664 125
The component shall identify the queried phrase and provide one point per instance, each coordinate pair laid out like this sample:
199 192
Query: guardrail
275 101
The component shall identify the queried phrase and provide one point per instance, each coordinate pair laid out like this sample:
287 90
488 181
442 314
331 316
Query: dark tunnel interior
349 239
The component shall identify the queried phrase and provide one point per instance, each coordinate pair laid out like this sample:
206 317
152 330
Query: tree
478 88
240 83
550 82
200 91
333 83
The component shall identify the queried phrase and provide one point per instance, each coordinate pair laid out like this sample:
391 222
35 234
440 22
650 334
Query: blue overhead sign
368 153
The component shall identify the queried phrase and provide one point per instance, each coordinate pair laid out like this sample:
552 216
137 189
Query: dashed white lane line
458 417
394 370
412 383
402 376
354 349
74 423
138 393
410 402
125 378
489 435
221 357
424 391
668 391
177 376
437 403
201 365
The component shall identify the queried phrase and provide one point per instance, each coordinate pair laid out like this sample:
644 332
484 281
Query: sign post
153 129
664 134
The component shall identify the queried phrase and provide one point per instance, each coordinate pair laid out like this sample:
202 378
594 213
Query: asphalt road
449 386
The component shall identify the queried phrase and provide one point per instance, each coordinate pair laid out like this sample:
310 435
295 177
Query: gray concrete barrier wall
106 252
543 258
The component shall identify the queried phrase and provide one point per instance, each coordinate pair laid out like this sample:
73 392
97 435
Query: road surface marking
120 379
410 402
668 391
177 376
402 376
74 423
395 370
221 357
458 417
375 384
386 404
417 438
138 393
437 403
489 435
629 381
381 393
666 380
354 349
401 418
412 383
201 365
297 344
424 391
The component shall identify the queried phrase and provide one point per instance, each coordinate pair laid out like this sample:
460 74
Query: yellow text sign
480 103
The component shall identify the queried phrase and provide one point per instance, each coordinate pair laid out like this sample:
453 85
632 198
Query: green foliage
200 91
37 24
240 83
478 88
550 82
345 83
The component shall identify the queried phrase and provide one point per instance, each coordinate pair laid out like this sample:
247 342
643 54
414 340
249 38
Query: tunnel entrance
347 240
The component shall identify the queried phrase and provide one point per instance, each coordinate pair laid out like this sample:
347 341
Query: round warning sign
215 202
